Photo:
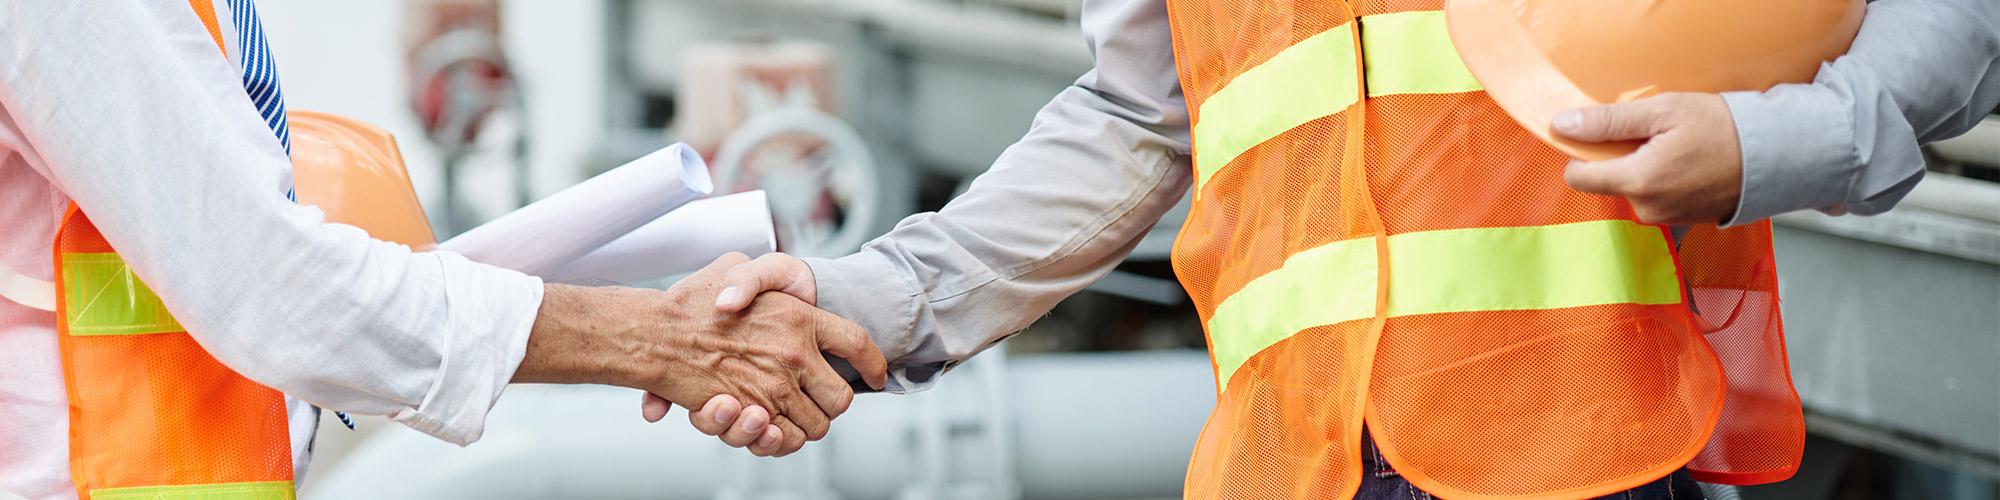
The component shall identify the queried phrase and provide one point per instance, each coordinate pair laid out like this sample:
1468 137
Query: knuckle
1639 187
1647 213
770 259
775 389
842 401
1598 116
796 316
793 361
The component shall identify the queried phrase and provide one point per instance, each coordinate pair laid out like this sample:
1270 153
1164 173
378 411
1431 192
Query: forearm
571 342
1919 71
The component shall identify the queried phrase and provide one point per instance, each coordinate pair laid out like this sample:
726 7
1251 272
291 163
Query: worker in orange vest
1408 286
170 321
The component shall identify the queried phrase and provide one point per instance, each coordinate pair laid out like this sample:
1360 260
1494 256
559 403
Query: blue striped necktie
260 81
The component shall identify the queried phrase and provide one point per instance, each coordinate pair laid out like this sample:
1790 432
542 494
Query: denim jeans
1380 482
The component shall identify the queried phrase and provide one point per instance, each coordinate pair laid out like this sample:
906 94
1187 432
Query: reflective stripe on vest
151 413
1406 53
259 490
1374 242
1457 270
105 299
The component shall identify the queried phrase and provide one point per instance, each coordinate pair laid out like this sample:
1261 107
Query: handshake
747 364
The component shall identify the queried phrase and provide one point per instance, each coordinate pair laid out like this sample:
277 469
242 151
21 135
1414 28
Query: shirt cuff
868 289
490 312
1798 151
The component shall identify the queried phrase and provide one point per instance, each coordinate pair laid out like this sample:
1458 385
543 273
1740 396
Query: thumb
774 272
1640 119
653 408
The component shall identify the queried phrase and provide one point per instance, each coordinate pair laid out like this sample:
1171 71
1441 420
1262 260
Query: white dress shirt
129 109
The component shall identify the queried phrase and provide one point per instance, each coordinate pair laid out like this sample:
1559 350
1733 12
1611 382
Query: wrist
586 335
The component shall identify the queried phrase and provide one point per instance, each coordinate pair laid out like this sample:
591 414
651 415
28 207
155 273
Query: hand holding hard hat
1619 66
1690 170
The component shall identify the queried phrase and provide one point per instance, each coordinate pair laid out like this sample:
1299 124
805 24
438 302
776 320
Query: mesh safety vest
152 414
1373 240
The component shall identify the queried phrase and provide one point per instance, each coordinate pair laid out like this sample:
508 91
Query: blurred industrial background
855 113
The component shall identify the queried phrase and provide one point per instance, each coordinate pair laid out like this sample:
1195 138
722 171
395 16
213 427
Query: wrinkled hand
1690 170
768 357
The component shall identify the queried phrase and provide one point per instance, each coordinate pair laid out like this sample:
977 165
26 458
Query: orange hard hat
1538 58
354 172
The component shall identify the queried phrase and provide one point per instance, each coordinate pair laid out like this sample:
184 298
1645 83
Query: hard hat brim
1501 56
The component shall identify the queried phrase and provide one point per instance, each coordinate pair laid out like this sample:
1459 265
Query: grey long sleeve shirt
1110 154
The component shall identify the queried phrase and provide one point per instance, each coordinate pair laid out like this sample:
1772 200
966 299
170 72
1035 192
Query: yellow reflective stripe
1329 284
1311 79
102 297
262 490
1458 270
1410 53
1402 53
1542 267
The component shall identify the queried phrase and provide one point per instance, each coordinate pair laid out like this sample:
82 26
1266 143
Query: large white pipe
1981 145
1959 196
1111 425
555 231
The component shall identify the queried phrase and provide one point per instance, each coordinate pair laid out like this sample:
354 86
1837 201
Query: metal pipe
1100 425
1954 195
995 34
1980 146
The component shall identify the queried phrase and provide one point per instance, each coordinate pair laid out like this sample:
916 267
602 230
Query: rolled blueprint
548 234
682 241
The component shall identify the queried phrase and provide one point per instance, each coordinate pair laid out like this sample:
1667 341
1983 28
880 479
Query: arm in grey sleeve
1102 162
1919 71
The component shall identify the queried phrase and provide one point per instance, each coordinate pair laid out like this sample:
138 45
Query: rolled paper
551 233
679 242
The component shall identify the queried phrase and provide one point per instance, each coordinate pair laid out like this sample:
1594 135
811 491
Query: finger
717 415
1640 119
795 437
1596 178
801 410
775 272
768 444
840 337
721 266
748 428
827 388
653 408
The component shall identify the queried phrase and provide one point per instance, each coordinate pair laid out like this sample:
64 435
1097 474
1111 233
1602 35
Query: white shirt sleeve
130 109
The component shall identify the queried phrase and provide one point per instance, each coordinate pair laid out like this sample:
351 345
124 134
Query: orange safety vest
1374 240
152 414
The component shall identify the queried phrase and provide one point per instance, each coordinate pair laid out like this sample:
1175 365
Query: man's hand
675 345
1690 171
744 284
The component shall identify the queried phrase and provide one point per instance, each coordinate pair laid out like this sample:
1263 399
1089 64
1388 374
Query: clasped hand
766 385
